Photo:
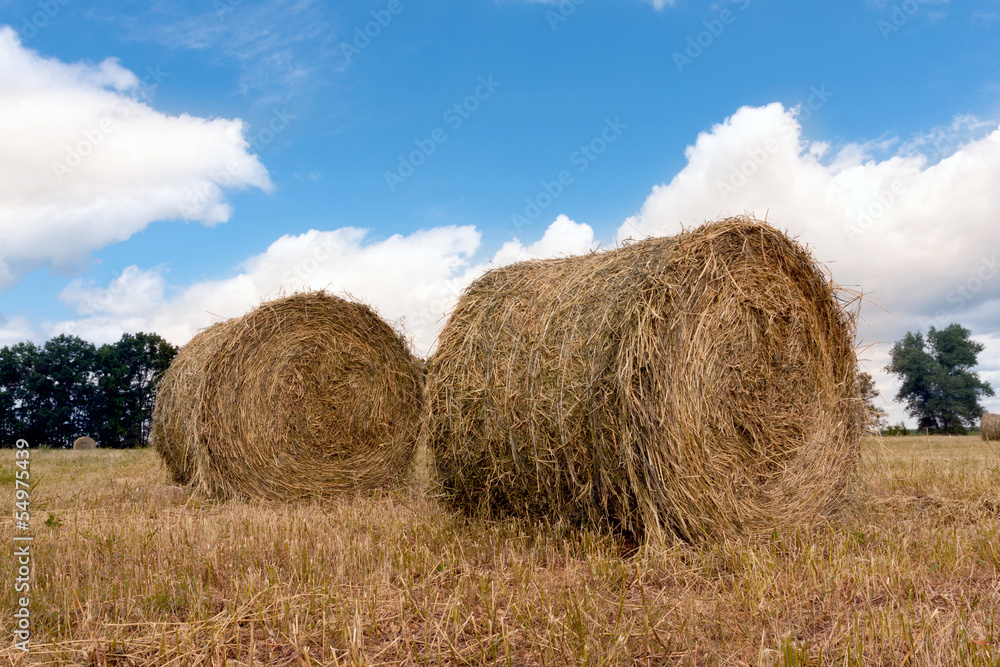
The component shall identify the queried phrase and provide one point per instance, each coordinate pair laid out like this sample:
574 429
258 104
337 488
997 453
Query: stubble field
131 571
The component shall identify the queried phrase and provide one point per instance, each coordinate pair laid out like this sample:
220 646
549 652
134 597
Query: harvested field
129 570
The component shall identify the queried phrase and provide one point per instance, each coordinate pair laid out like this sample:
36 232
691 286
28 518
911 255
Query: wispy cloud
985 16
279 47
657 4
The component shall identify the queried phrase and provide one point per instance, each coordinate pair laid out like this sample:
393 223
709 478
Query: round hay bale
989 427
306 396
84 443
698 385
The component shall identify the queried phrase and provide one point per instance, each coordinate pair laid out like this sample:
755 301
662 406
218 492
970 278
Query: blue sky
251 147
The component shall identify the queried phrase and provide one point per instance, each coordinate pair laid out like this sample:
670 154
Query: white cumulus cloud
92 163
413 281
563 237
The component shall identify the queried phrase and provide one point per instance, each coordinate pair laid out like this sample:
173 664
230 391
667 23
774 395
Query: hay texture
175 427
698 385
989 427
306 396
84 443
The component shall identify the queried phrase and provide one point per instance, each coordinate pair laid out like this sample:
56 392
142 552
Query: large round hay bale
174 431
989 427
306 396
699 385
84 442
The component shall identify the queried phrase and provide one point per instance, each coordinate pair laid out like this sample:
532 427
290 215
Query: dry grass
308 395
703 384
131 571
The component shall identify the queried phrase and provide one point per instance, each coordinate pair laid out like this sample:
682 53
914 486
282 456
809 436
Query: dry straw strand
309 395
699 385
989 427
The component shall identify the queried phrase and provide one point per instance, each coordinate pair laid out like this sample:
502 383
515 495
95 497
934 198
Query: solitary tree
938 385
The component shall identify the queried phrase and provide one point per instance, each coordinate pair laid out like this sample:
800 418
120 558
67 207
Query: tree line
68 387
53 393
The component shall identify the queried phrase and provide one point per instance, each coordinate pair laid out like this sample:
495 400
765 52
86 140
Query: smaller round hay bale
307 396
84 443
989 427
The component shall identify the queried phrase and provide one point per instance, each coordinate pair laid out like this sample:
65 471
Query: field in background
131 571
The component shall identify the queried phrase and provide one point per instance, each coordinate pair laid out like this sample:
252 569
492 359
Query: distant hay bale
989 427
699 385
84 443
310 395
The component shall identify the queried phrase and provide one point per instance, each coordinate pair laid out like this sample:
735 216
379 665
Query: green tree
127 372
938 385
876 415
63 384
45 392
67 388
12 394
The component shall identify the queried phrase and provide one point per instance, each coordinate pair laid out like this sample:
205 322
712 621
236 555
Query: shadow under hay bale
84 443
309 395
989 427
699 385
